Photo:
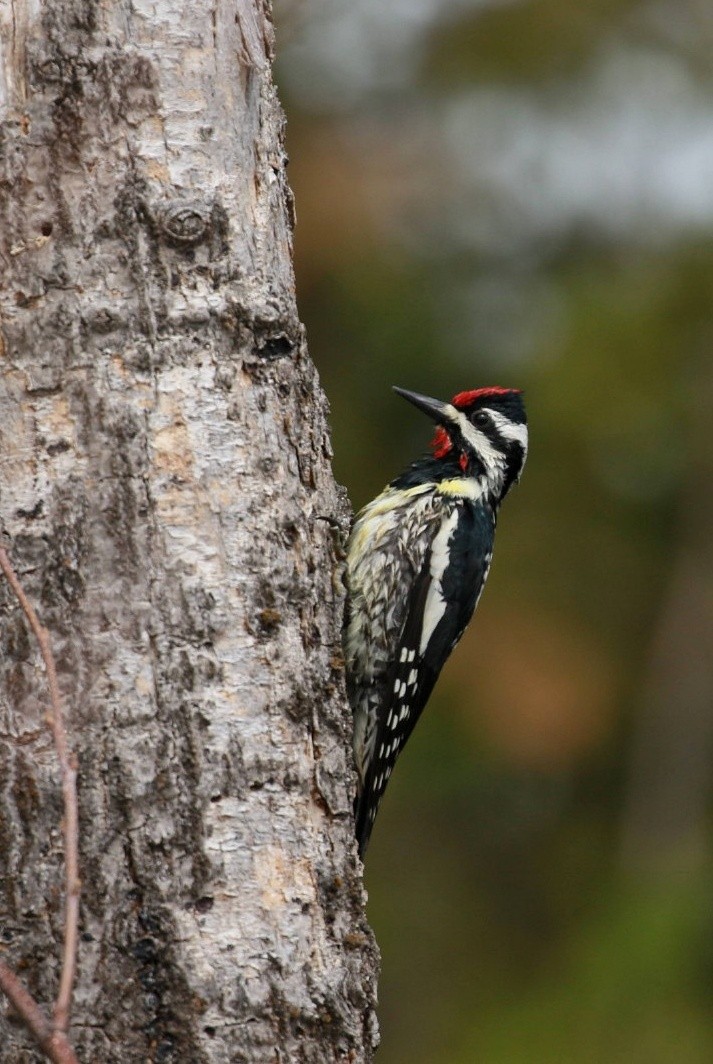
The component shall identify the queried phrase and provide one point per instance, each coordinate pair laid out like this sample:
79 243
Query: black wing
441 603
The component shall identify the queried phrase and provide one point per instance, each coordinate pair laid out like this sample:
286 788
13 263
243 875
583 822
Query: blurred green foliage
528 41
525 912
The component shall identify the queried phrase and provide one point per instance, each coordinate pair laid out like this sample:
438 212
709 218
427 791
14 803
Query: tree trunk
167 499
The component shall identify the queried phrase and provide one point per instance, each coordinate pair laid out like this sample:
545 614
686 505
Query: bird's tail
363 823
365 814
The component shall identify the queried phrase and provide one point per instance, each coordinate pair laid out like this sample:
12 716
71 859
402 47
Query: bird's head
484 431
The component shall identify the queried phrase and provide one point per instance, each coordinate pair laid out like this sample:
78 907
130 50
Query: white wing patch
389 542
435 602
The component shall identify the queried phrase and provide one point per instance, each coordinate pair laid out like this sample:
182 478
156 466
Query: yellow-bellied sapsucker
417 559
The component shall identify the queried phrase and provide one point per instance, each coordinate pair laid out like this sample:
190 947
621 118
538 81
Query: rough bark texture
166 495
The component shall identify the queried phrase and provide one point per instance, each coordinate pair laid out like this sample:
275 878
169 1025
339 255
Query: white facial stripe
492 458
509 430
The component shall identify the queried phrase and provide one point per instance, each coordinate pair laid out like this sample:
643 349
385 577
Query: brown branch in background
53 1043
20 998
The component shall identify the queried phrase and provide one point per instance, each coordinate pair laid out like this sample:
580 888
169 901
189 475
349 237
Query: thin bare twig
53 1043
70 821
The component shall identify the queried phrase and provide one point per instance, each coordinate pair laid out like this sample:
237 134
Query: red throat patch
464 399
441 443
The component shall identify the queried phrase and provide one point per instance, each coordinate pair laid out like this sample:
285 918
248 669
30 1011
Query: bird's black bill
433 407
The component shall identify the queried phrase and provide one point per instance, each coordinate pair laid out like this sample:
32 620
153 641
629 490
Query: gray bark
167 499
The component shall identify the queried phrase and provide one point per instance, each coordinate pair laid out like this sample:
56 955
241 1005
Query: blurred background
521 193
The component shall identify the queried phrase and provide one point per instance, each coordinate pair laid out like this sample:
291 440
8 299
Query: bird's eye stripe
478 441
513 431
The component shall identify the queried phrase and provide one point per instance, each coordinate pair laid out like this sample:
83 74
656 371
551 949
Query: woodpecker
417 558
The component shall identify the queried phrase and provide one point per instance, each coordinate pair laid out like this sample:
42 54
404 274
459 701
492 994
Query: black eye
481 418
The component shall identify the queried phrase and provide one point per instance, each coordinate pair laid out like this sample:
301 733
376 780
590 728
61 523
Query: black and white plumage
417 559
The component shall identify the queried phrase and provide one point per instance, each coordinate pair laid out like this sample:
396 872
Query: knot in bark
184 222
